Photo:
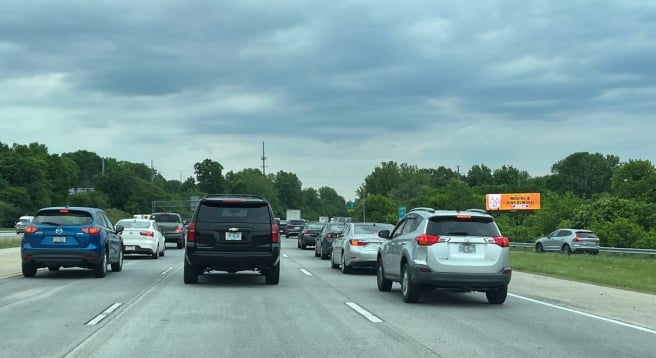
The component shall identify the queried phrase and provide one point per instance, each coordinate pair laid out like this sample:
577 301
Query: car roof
230 197
76 208
441 212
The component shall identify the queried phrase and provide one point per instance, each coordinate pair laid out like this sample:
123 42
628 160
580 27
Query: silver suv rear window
473 226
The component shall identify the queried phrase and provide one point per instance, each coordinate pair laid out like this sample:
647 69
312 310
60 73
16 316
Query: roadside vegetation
6 243
636 273
615 199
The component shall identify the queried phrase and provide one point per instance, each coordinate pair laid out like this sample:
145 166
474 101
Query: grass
10 242
626 272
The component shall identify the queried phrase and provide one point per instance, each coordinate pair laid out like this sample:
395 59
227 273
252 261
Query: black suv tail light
191 232
275 235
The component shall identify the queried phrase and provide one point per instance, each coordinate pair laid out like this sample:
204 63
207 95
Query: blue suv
71 237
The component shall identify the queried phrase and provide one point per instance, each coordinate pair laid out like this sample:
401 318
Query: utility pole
263 161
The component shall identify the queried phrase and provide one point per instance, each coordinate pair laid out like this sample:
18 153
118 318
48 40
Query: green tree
635 179
382 180
584 173
209 176
289 190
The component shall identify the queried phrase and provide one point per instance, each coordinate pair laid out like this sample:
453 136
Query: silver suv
445 249
569 241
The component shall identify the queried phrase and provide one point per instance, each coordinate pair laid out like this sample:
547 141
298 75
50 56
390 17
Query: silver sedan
356 246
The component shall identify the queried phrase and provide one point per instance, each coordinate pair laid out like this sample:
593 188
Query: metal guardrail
616 250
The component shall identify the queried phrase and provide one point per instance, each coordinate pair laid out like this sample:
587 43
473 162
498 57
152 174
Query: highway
315 311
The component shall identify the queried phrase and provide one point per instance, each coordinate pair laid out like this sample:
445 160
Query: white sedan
142 236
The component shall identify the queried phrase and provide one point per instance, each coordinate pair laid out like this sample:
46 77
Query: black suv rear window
63 217
239 212
474 226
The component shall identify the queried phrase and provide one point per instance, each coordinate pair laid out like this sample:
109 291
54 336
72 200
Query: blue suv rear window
63 218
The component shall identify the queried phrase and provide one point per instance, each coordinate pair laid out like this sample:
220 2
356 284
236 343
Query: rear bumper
361 258
232 261
308 240
468 281
77 258
172 236
138 250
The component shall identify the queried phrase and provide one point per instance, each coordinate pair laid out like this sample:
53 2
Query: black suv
172 227
232 232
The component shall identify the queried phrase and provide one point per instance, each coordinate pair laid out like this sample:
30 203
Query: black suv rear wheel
273 275
190 273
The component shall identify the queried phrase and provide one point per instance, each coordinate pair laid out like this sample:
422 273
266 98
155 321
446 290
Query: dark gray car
172 227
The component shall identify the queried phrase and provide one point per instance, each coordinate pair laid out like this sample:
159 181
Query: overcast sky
332 88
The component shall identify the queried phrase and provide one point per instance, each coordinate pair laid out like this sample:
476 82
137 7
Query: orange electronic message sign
508 202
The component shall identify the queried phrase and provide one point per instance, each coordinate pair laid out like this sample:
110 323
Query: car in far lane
142 237
569 241
357 246
324 241
294 227
308 235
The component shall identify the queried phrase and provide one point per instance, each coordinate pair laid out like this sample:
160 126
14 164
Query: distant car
282 227
357 245
324 241
445 249
172 227
308 235
568 241
22 223
71 237
142 237
294 227
232 232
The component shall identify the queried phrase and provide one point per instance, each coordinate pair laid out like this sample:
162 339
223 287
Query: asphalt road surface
147 311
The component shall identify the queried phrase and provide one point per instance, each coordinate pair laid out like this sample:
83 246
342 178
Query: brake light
63 211
93 230
576 237
330 234
31 229
306 232
463 217
354 242
275 235
178 228
147 233
427 240
502 241
191 232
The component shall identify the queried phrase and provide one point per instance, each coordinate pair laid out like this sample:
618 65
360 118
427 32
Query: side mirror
119 229
384 234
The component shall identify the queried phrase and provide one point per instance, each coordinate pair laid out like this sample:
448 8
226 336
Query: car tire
303 246
538 248
594 252
497 295
272 276
324 256
190 273
179 244
384 284
163 251
344 267
155 254
409 290
29 270
566 250
100 270
333 265
118 266
298 243
316 251
53 268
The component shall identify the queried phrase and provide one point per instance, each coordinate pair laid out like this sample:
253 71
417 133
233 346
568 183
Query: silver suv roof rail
477 211
430 210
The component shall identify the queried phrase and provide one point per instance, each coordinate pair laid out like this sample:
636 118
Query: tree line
584 190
